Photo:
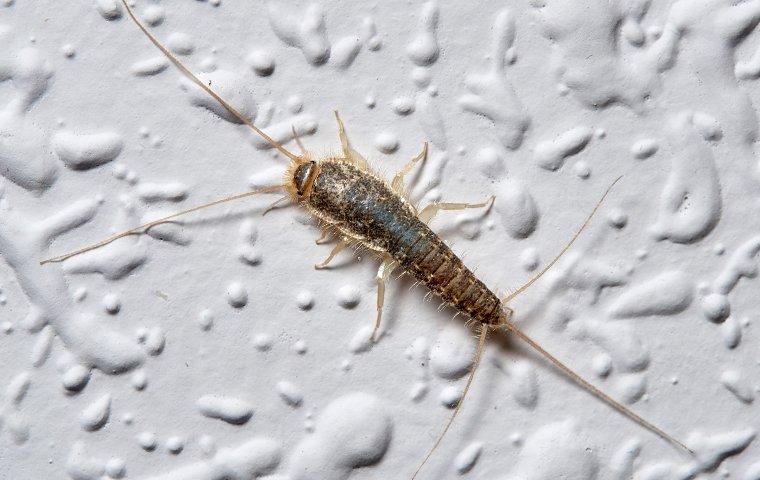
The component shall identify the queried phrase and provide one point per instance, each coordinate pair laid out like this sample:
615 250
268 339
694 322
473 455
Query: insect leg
144 227
323 238
398 180
427 213
304 152
274 204
350 154
382 276
336 250
478 355
342 135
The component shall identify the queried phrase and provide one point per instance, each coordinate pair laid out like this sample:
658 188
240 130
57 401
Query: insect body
361 207
357 206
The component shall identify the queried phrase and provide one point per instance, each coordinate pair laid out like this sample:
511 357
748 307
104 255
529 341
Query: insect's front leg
397 184
428 213
350 155
382 277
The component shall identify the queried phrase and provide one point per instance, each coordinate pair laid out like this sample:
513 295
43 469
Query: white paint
423 49
96 414
492 94
85 151
229 409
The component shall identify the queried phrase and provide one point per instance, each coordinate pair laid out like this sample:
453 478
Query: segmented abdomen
364 208
433 263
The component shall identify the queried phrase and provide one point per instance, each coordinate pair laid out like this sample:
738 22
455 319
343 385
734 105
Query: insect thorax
361 206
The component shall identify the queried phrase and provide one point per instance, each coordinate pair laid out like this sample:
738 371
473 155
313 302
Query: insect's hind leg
398 180
482 336
429 212
342 244
382 277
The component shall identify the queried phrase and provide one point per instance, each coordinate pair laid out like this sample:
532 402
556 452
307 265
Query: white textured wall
212 348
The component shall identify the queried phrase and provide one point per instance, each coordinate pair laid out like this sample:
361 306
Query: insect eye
302 177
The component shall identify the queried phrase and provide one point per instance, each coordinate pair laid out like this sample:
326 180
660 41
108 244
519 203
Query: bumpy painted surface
211 349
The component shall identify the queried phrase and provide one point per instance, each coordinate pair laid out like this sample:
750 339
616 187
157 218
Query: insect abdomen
433 263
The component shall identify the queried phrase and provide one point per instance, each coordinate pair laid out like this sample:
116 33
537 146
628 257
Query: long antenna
177 63
146 226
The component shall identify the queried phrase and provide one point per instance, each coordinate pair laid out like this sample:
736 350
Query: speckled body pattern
364 208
